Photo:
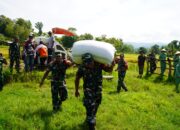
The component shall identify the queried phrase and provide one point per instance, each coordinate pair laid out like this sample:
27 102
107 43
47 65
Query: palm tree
39 26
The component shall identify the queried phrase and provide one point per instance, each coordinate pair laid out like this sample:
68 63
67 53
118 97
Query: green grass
150 104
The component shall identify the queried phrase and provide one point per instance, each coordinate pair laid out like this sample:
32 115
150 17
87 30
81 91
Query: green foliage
147 105
39 26
68 41
18 27
86 36
155 48
142 49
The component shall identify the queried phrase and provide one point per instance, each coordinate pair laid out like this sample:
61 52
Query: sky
130 20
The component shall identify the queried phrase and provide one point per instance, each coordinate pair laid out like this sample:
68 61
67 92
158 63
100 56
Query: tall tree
39 26
86 36
142 49
155 48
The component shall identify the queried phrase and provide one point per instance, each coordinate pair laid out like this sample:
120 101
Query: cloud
131 20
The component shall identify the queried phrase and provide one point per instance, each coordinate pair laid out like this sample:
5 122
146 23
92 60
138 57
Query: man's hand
77 94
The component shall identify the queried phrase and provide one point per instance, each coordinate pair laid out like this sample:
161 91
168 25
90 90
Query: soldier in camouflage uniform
152 61
14 54
91 72
141 60
122 67
162 59
58 85
2 61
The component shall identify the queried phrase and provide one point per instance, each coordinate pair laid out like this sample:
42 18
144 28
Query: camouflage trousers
12 60
1 81
59 93
92 100
141 69
121 76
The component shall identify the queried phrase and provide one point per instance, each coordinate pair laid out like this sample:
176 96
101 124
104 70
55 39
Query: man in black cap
91 72
14 54
58 85
122 68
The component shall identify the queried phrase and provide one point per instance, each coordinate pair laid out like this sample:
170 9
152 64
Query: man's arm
109 68
77 80
45 75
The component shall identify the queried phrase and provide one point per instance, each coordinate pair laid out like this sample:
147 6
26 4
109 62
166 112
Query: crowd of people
152 61
89 70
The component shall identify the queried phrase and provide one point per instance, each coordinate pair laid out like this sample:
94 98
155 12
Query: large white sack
102 52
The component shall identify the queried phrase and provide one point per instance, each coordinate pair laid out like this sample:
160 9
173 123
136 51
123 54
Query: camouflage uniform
152 61
162 59
122 67
14 53
58 85
92 87
141 60
2 61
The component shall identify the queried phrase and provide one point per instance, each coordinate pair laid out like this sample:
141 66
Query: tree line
21 28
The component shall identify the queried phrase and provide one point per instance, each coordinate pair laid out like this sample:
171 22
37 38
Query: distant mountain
145 44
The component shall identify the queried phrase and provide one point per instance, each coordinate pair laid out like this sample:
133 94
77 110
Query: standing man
91 72
176 59
29 54
177 76
50 45
152 61
141 60
162 59
2 61
58 85
14 55
122 67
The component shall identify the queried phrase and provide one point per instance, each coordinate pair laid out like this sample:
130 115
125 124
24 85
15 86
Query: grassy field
150 104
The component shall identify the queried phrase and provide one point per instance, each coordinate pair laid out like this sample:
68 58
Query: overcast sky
131 20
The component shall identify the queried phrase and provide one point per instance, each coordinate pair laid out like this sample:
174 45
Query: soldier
176 59
162 59
152 61
14 54
141 60
29 53
122 67
2 61
50 45
91 72
58 85
177 76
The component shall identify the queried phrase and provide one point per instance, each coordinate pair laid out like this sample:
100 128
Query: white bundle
102 52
